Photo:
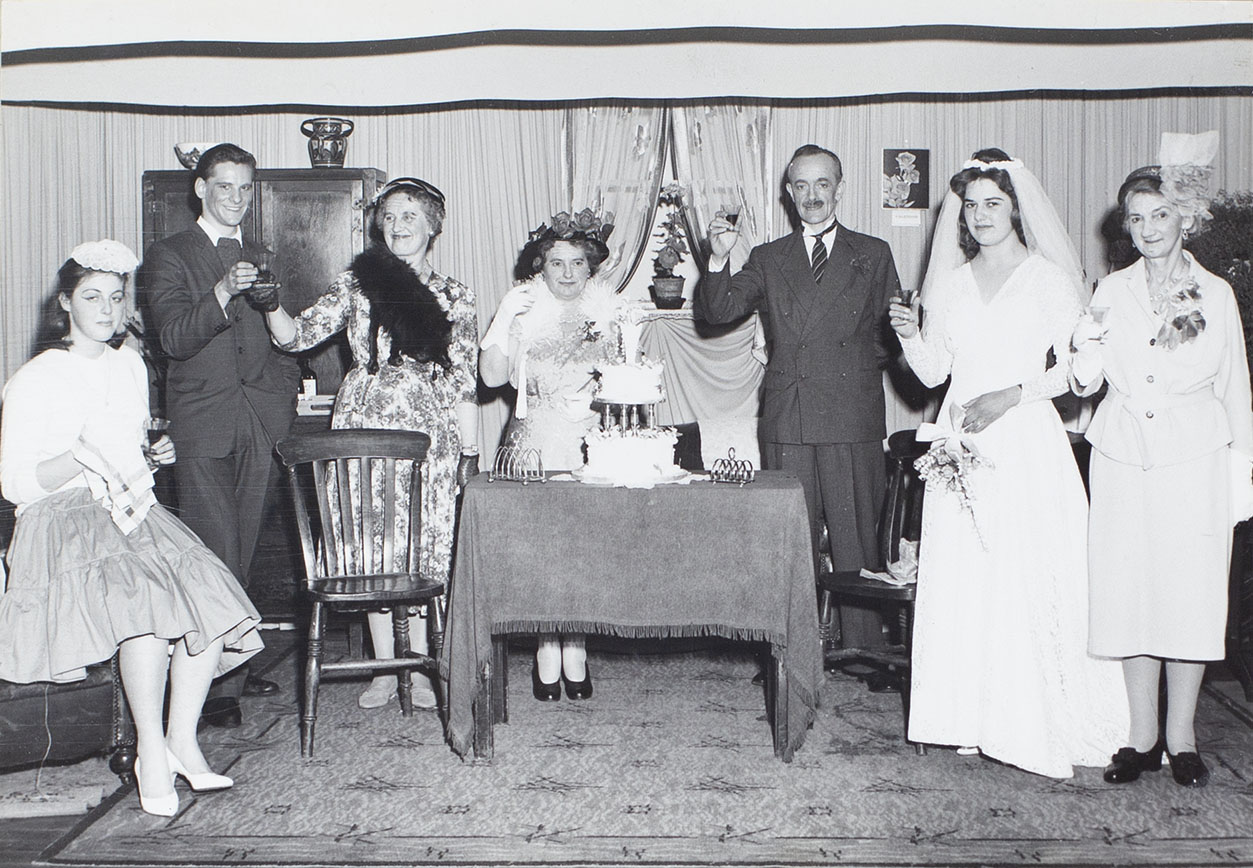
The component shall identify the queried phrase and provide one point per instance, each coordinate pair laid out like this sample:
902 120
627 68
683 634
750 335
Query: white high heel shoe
158 806
202 782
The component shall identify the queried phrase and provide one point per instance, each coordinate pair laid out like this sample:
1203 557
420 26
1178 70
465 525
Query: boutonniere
861 264
591 332
1182 318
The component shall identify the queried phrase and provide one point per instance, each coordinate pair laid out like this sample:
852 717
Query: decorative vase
328 141
668 292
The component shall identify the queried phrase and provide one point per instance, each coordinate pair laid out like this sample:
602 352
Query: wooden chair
343 571
902 517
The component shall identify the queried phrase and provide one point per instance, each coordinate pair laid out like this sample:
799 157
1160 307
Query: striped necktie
818 257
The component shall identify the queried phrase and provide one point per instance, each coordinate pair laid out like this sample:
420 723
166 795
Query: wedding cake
630 449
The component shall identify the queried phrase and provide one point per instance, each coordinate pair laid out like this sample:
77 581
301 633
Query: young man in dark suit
823 293
229 393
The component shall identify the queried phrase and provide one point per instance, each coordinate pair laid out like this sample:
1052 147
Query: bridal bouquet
949 465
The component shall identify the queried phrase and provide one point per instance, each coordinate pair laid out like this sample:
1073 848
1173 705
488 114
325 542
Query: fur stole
403 306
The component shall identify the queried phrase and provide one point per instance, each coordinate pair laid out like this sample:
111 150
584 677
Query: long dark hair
54 321
959 182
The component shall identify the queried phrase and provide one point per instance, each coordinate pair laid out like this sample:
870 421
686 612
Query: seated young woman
97 566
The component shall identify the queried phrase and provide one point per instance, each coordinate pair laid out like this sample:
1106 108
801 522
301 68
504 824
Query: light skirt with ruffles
78 587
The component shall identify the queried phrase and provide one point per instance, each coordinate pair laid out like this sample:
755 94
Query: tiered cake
630 449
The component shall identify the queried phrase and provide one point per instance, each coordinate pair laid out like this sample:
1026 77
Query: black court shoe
542 691
1187 769
1129 763
579 689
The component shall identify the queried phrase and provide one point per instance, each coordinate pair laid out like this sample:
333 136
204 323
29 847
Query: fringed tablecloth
676 560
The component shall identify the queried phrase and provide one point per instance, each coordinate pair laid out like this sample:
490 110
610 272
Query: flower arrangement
565 226
1182 318
948 466
673 237
896 188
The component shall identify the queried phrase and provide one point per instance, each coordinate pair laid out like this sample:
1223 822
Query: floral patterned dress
555 348
411 396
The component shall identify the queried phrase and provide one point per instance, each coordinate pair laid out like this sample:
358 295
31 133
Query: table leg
776 697
500 679
484 742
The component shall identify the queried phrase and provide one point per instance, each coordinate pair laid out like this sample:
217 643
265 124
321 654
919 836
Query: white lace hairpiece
998 164
1186 167
105 255
1041 226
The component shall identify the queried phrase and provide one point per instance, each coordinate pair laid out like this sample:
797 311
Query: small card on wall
906 180
906 217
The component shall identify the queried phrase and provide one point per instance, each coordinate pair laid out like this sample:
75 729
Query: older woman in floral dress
414 340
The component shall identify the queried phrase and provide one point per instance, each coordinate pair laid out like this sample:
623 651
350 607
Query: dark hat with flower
586 227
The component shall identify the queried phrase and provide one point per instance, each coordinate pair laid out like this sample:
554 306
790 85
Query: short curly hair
531 259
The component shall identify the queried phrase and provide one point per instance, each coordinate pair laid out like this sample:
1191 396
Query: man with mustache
823 293
229 393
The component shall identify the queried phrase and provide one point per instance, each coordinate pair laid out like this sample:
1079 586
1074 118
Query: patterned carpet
669 763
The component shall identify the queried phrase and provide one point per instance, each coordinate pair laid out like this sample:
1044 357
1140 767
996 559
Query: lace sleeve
929 352
1058 311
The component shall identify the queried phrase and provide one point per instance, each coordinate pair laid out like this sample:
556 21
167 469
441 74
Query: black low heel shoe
1129 763
579 689
1188 770
544 692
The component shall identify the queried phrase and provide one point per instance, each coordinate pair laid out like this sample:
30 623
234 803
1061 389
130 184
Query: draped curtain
614 156
75 174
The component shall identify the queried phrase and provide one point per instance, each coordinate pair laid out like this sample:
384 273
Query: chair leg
826 620
435 644
313 675
907 639
400 632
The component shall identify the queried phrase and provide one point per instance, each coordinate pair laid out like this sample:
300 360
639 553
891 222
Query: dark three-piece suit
822 401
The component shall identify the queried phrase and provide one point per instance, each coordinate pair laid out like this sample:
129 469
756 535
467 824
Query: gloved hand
263 297
467 467
517 301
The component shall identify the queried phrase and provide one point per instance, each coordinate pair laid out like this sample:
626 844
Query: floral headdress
105 255
1185 168
564 227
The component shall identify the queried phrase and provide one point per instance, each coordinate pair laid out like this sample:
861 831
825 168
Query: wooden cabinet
313 218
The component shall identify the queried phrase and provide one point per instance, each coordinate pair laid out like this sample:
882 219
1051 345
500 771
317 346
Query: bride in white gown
1000 658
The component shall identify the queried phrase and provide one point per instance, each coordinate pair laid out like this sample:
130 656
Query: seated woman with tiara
546 339
97 566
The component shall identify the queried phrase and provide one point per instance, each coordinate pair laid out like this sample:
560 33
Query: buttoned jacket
220 364
829 341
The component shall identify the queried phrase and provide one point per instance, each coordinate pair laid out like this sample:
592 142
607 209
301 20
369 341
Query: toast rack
730 469
517 464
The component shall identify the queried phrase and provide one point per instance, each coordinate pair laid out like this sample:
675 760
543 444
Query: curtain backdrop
74 174
614 156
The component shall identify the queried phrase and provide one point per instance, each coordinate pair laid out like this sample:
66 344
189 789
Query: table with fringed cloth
700 559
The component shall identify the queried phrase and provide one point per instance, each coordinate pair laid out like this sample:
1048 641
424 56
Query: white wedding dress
1000 638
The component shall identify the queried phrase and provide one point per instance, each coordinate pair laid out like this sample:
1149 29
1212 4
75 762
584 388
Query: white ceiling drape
387 53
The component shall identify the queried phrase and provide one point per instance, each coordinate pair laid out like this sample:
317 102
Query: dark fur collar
405 307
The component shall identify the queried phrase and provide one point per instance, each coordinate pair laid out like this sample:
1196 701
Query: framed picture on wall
906 178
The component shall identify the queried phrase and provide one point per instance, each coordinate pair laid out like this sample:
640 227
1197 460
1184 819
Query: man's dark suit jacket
828 342
220 366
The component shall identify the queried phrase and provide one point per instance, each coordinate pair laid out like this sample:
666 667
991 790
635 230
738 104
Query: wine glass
156 429
265 270
731 213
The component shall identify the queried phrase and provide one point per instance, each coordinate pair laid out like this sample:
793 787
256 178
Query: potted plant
667 287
